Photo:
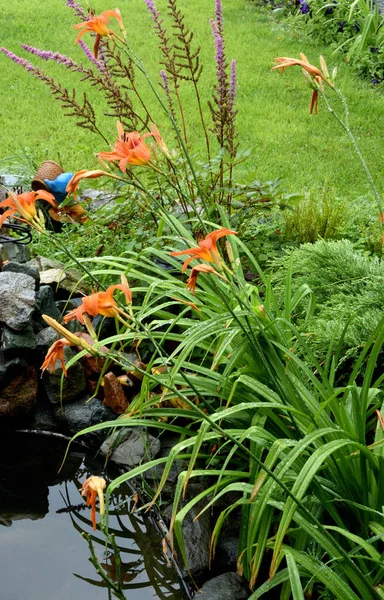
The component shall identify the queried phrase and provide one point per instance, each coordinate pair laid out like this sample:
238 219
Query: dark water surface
43 555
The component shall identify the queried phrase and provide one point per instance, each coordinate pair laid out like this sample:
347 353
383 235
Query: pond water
43 555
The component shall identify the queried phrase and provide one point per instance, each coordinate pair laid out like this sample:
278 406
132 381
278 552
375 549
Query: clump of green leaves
348 285
313 218
355 29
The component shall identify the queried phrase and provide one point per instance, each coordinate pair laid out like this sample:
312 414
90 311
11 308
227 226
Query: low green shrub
348 286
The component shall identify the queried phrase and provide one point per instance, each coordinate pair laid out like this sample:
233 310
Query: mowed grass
273 112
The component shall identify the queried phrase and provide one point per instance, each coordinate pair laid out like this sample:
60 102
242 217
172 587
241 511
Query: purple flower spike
60 59
153 10
79 10
18 60
232 85
164 79
219 17
99 64
220 62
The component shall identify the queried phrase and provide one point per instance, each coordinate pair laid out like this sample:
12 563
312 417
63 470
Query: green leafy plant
303 455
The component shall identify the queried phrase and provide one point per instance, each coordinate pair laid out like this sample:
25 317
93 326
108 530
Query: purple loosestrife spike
153 10
219 17
165 82
18 60
220 63
232 85
99 64
60 59
79 10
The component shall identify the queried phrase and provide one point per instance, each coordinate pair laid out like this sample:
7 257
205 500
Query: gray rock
42 418
17 299
228 586
65 306
9 180
16 267
18 340
130 447
98 198
196 534
153 476
55 273
73 386
45 303
227 552
84 413
45 338
14 252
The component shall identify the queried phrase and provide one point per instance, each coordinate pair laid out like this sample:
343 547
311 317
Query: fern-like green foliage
349 291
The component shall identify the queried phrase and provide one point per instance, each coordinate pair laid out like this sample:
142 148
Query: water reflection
43 554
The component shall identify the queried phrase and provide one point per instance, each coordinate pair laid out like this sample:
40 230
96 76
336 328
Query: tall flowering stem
346 126
315 78
188 59
171 68
223 105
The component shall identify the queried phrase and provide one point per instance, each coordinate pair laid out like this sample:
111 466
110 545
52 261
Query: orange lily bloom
304 63
99 26
92 488
191 283
23 207
206 250
73 183
101 303
314 76
56 352
130 148
69 213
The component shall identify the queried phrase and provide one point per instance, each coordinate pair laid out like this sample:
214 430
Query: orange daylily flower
131 148
206 250
314 76
56 352
100 303
99 26
304 63
23 207
92 488
69 213
73 183
191 283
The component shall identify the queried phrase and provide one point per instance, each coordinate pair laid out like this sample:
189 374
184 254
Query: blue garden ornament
57 186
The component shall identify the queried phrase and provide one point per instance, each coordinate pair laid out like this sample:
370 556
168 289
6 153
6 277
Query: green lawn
273 112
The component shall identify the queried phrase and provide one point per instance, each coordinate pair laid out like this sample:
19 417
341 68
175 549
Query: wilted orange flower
314 76
191 283
92 488
131 148
207 249
73 183
100 303
69 213
56 352
99 26
285 62
23 207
